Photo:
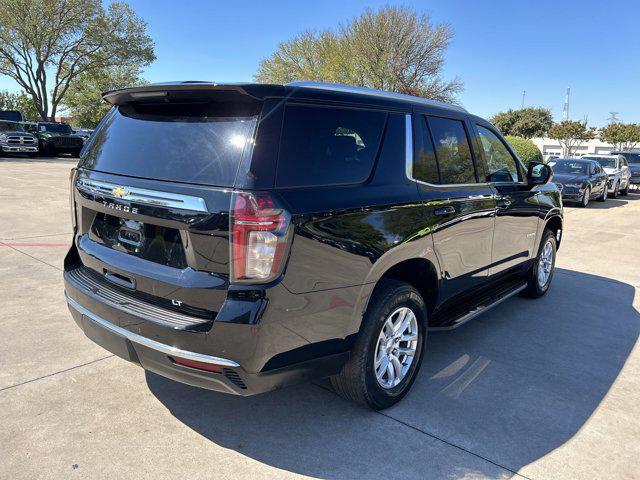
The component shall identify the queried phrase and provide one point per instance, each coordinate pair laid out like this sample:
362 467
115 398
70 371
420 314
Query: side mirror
538 173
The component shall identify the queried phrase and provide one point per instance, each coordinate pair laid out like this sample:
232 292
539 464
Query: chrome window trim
408 146
409 161
147 342
143 195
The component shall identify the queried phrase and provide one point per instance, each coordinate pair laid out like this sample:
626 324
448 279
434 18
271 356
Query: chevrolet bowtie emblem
119 192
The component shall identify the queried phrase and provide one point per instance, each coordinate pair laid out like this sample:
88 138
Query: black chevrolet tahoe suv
244 237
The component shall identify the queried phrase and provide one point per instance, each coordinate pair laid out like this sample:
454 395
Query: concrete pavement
546 389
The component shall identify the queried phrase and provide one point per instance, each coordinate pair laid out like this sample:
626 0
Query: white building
550 147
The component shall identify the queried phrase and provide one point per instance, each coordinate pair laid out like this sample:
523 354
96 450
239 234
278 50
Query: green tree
525 149
84 101
18 101
623 136
571 134
45 45
527 122
393 48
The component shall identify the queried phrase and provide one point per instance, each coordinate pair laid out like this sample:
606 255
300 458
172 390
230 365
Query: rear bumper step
147 342
91 285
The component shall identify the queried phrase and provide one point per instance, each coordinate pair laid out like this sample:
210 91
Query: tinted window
609 162
425 167
500 163
567 166
196 143
452 150
10 127
325 145
55 128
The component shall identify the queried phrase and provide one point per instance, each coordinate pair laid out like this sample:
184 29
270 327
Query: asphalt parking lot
546 389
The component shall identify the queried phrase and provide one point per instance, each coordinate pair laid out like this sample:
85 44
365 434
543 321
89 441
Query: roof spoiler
158 91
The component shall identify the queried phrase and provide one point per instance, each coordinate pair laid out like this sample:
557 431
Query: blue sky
500 48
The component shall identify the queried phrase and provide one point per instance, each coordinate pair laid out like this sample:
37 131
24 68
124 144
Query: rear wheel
542 270
388 351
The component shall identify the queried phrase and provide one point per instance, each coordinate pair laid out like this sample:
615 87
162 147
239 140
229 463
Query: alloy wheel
396 347
585 197
545 264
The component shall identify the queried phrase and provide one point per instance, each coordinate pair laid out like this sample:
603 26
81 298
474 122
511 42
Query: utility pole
565 108
524 92
613 118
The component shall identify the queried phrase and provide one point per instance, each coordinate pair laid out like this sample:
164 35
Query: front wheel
605 194
542 270
388 351
586 196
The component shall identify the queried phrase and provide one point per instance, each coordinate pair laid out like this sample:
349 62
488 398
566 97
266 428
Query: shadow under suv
244 237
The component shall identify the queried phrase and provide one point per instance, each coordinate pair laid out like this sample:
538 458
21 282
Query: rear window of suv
199 142
328 145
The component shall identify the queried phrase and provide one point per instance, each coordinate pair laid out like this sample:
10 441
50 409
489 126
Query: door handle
503 202
444 211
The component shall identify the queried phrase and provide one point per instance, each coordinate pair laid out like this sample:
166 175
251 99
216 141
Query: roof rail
339 87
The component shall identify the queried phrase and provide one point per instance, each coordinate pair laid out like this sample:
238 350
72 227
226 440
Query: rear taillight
259 238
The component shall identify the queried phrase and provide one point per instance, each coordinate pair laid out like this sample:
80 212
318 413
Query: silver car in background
617 168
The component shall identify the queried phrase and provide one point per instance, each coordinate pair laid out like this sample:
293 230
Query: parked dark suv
55 138
244 237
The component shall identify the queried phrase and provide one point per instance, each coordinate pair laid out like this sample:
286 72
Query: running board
483 307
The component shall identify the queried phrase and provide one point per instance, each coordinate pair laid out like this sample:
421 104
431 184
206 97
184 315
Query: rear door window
452 150
199 143
328 145
425 167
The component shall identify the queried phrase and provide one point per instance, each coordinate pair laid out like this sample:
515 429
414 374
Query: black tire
76 154
605 192
534 289
357 381
625 192
586 196
616 190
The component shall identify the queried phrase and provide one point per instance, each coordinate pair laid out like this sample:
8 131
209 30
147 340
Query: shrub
525 149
